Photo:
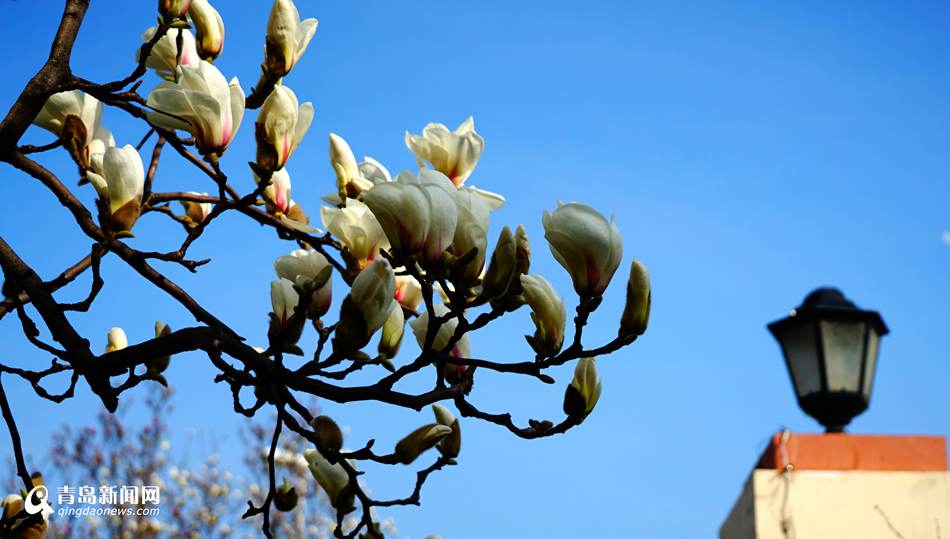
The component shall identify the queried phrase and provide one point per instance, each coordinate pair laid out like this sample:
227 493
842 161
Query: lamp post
830 349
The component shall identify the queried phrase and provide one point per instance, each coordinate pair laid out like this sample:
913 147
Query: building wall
841 505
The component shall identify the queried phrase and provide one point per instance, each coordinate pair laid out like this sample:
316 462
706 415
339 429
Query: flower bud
210 29
349 179
280 127
471 237
285 328
584 391
116 340
636 312
408 292
277 193
164 58
332 478
157 366
173 9
310 271
285 498
120 182
393 330
498 276
585 244
419 441
366 308
547 312
357 228
451 445
453 153
201 102
195 212
331 437
417 213
287 38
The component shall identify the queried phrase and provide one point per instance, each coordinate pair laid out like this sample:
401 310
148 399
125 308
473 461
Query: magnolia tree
410 250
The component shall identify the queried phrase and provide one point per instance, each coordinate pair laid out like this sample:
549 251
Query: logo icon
40 493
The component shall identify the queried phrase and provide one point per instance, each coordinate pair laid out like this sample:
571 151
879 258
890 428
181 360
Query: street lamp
830 349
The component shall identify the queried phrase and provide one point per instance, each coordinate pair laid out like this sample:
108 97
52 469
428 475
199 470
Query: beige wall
841 505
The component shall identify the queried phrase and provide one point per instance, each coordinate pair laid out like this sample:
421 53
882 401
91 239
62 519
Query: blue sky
750 151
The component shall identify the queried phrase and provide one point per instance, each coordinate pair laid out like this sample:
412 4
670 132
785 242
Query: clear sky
751 152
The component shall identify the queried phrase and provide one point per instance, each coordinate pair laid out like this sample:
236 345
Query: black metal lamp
830 349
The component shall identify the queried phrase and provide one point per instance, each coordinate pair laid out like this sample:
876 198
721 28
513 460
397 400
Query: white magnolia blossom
585 243
453 153
118 175
547 311
472 230
303 266
283 299
281 125
418 213
357 227
201 102
88 109
116 340
372 294
164 57
210 29
277 192
408 291
374 171
420 325
287 37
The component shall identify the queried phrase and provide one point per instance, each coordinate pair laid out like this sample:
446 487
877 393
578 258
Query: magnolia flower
636 311
420 325
164 58
357 227
283 299
74 117
453 153
451 444
584 391
196 212
471 233
308 269
332 478
418 213
419 441
119 178
367 307
585 244
173 9
287 38
280 127
547 311
116 340
201 102
210 29
408 291
393 330
374 171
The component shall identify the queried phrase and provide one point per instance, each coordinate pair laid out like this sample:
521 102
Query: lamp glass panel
801 353
843 342
873 340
